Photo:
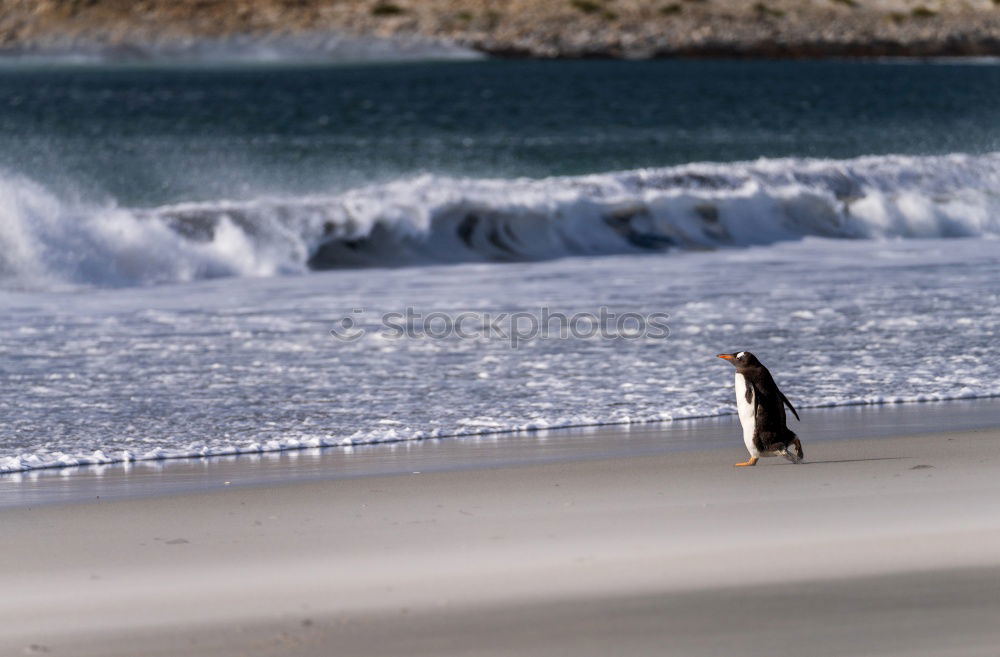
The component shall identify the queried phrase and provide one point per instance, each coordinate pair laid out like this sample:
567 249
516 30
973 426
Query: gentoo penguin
762 411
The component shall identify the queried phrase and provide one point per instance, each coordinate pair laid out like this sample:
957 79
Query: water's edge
187 475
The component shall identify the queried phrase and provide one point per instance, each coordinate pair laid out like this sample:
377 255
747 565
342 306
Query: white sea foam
256 50
58 459
235 366
46 240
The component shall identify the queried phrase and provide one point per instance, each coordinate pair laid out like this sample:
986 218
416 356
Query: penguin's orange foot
751 461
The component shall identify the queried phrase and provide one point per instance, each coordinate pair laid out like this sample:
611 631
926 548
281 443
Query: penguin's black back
771 430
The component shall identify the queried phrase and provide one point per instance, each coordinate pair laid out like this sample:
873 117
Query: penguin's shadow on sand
880 458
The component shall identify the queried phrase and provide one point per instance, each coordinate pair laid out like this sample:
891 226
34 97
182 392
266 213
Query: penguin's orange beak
725 356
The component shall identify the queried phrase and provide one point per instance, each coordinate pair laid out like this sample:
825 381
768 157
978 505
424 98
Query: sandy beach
883 545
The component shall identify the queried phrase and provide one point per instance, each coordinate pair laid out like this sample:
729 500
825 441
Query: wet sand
193 475
876 546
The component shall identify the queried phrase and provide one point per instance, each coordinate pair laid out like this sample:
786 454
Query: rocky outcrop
519 28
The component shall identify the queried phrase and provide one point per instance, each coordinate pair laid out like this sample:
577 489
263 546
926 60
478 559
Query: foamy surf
29 462
49 241
248 365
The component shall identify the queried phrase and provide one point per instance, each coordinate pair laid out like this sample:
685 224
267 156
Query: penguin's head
741 359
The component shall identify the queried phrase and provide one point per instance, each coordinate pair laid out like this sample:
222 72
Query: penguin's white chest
745 408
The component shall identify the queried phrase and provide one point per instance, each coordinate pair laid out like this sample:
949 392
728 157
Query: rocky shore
511 28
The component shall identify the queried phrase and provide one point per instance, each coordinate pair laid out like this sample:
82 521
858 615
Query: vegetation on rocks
528 28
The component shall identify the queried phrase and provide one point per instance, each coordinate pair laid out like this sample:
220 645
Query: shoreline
150 478
876 546
70 461
67 462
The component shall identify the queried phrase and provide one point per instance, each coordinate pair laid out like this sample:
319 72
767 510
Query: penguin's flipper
789 405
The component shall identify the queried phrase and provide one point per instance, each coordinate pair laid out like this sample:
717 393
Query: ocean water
176 246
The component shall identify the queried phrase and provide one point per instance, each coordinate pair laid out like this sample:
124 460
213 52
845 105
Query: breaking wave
45 240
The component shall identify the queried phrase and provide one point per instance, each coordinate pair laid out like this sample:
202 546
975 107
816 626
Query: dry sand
885 546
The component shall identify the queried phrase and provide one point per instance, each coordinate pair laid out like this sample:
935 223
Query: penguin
761 407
